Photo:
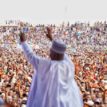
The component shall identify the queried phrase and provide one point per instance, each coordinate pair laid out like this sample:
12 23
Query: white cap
58 47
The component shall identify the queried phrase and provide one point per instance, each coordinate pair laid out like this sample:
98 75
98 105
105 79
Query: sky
53 11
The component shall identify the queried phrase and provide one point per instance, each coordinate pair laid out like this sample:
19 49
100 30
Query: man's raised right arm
31 57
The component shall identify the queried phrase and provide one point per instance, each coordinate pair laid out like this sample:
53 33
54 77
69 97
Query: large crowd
86 46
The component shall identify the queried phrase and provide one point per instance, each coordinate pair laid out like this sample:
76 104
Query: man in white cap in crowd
53 83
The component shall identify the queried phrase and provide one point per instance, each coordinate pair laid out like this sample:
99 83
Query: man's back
53 85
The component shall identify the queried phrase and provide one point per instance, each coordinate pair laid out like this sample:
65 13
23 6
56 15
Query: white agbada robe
53 83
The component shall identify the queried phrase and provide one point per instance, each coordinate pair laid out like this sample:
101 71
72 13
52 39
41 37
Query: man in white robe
53 83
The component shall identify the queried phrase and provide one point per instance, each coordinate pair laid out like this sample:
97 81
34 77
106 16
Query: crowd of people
86 46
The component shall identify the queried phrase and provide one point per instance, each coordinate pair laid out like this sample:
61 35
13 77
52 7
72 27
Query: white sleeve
66 57
31 57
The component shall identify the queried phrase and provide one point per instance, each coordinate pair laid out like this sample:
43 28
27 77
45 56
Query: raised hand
49 33
22 37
